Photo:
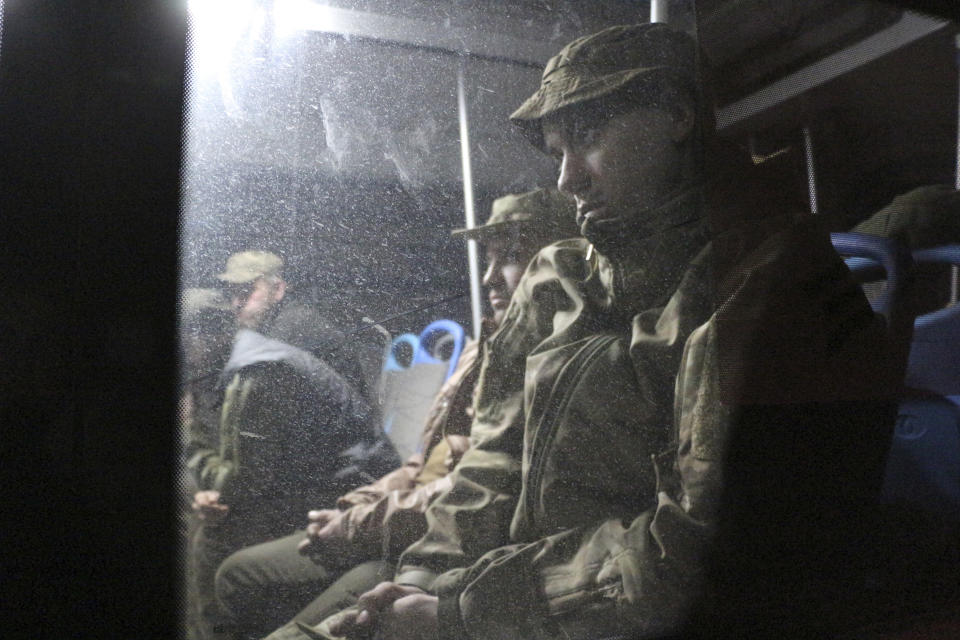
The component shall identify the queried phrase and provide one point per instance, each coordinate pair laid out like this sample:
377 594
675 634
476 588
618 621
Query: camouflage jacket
388 515
588 502
565 429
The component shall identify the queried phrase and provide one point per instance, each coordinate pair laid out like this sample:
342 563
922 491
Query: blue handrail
948 253
867 254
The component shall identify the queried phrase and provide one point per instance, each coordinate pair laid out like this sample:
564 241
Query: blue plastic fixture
433 336
874 258
392 363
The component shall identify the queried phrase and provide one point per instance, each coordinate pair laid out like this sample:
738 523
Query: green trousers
260 588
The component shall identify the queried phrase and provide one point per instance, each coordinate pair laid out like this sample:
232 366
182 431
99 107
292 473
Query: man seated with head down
661 396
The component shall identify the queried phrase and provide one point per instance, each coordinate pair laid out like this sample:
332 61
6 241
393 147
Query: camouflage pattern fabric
610 402
613 496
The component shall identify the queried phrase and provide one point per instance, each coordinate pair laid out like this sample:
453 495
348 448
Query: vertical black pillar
91 97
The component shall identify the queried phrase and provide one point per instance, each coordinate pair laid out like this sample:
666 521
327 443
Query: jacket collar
251 347
649 274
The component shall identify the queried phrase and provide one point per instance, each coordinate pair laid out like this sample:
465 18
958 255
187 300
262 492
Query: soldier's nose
490 276
573 179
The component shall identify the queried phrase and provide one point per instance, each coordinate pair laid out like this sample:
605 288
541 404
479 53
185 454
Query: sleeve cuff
416 578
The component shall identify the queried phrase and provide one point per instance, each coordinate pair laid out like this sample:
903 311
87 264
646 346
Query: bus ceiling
772 75
763 67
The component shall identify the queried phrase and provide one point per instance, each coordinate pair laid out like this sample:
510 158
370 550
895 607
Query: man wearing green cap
256 286
263 586
293 431
627 363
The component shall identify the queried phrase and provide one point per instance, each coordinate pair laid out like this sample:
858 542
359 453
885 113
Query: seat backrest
410 390
934 363
923 468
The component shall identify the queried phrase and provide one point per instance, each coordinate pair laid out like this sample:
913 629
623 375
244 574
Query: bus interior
351 136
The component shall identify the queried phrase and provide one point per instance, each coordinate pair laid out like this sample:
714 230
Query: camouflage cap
601 63
247 266
539 213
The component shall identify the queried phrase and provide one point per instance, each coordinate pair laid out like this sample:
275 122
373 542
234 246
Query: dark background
90 149
90 141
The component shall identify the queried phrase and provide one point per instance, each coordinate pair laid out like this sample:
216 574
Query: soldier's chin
249 321
607 236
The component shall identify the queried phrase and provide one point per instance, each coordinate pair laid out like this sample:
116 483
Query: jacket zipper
569 373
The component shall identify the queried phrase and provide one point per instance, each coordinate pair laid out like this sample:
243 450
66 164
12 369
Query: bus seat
410 391
912 552
923 468
395 378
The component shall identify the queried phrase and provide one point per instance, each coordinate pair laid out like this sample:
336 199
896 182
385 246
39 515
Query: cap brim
233 279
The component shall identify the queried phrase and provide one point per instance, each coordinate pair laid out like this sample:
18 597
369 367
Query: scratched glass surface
350 138
330 134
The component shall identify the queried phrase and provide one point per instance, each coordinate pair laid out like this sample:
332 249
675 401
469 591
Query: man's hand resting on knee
319 521
391 612
326 537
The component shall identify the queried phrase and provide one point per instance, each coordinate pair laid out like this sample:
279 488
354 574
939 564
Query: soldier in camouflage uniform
653 411
261 587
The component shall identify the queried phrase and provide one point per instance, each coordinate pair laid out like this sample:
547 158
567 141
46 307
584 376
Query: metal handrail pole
468 202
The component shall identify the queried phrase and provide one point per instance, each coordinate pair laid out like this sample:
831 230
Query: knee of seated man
234 579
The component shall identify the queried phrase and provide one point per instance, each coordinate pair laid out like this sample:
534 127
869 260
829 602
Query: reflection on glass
690 345
332 137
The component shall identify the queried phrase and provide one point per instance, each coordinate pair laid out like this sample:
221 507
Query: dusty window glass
332 135
332 148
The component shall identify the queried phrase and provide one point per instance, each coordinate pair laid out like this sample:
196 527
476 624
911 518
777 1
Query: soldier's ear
279 289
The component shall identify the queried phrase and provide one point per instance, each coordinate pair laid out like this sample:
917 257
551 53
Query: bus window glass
346 141
365 185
